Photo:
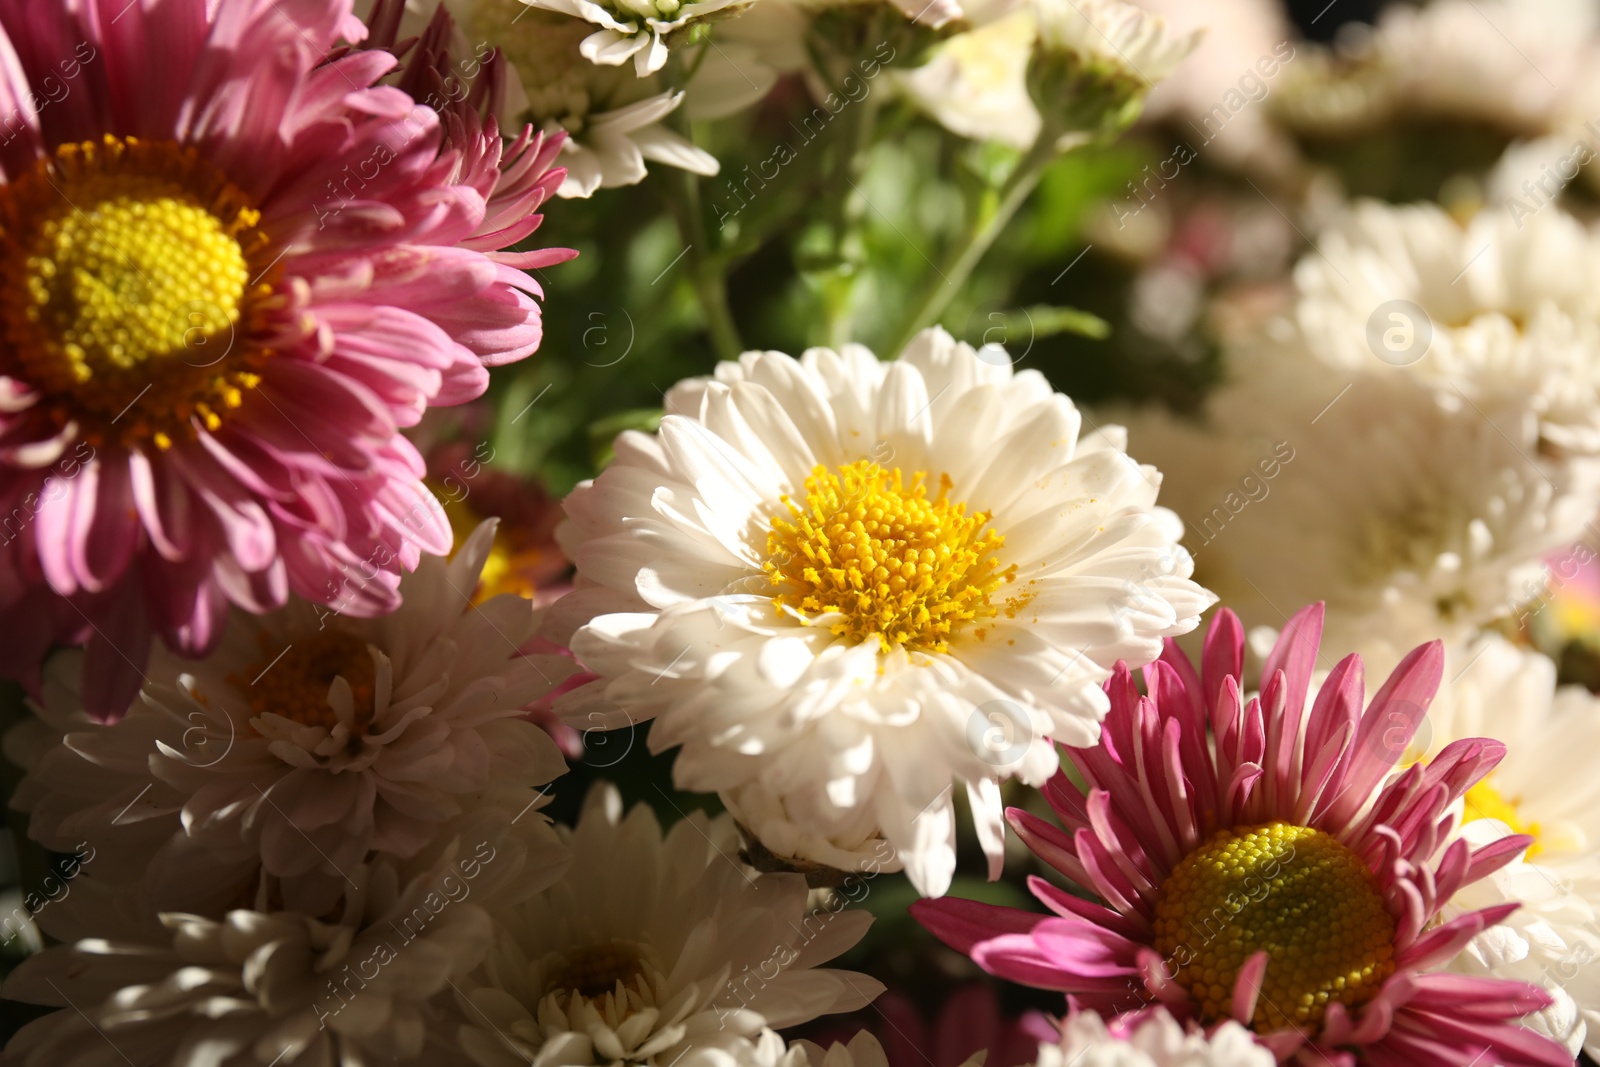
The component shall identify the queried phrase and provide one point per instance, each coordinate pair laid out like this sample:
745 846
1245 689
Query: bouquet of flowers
975 533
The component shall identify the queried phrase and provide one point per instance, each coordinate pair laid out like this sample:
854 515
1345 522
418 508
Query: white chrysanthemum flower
632 29
1157 1040
1545 787
1509 63
1509 310
1114 37
306 743
853 582
1412 521
254 989
613 119
651 947
975 84
862 1050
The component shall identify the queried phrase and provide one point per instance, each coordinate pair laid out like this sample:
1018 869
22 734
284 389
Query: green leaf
1049 320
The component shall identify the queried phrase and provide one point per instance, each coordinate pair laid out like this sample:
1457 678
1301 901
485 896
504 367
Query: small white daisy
305 744
975 83
612 119
1112 37
1546 788
368 984
632 29
651 947
850 583
1156 1040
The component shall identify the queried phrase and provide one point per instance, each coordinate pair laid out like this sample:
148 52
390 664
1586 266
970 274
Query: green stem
707 272
708 276
940 288
855 138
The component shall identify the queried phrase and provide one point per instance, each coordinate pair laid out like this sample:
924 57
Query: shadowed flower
653 947
235 267
1280 877
305 743
366 984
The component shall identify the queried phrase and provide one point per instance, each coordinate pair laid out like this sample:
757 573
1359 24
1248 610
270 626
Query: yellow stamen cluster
897 567
594 970
295 683
1484 801
1295 892
131 289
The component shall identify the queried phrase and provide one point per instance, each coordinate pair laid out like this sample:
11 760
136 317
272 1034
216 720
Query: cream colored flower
975 83
612 118
1509 310
1112 36
255 989
303 746
652 948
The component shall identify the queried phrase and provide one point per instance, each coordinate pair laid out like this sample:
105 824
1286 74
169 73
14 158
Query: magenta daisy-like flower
1274 873
232 267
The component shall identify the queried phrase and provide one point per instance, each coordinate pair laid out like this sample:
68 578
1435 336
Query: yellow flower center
592 971
131 289
1484 801
896 566
1295 892
294 683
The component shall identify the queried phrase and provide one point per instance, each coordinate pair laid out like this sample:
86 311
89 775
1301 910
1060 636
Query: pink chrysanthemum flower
233 267
1272 874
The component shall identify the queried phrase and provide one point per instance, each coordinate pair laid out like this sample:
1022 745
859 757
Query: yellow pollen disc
1484 801
131 289
897 567
1294 892
594 970
294 683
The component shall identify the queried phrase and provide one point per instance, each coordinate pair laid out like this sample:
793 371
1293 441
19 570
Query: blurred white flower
1222 89
975 84
1501 61
1502 314
1412 521
1155 1040
253 989
651 948
305 744
1113 37
858 583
